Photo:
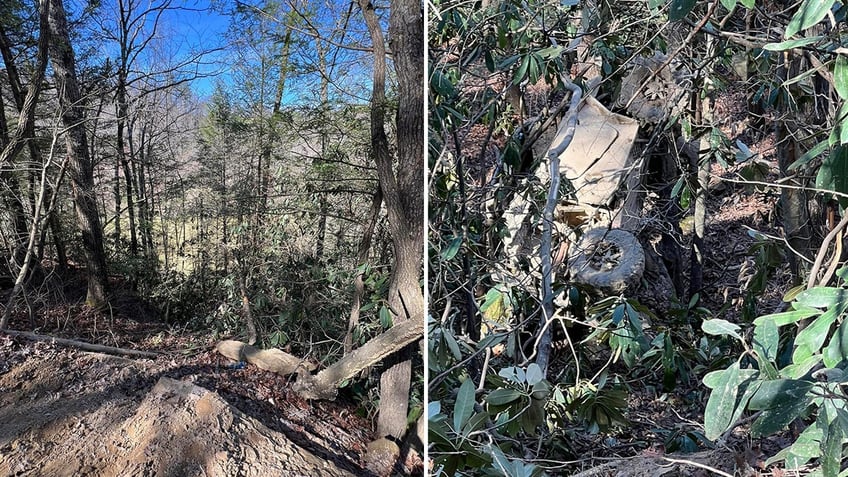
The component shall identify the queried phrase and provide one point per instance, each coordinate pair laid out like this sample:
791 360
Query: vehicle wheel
611 261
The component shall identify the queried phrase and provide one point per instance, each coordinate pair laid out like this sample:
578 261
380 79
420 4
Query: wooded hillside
178 173
613 302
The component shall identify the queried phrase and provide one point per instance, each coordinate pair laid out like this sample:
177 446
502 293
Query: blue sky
198 27
189 26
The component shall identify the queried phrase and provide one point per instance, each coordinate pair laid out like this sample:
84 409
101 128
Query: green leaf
452 345
452 249
833 173
837 349
521 73
722 402
501 463
719 327
534 374
464 406
433 409
765 343
801 367
803 160
814 335
831 447
822 297
789 44
805 448
749 4
385 317
839 135
744 153
437 433
441 84
679 9
514 374
685 197
491 340
677 186
778 393
503 396
729 4
810 13
551 52
842 417
803 76
507 62
493 308
713 378
788 317
840 76
774 419
490 61
476 423
532 416
617 314
533 69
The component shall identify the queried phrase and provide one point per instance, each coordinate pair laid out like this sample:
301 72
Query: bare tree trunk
118 199
125 167
699 168
324 384
81 167
144 199
245 306
403 189
33 233
25 130
361 257
793 201
122 109
4 125
58 244
23 102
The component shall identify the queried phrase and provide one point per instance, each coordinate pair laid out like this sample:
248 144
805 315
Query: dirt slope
66 412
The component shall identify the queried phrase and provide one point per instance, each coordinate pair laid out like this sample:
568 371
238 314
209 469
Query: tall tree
25 130
81 168
402 186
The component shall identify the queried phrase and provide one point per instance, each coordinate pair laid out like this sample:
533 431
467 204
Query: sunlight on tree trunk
402 189
81 168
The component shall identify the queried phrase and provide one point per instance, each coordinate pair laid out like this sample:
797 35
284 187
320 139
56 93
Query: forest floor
664 434
190 412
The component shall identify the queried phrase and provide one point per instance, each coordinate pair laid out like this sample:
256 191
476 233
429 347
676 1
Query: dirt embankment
67 412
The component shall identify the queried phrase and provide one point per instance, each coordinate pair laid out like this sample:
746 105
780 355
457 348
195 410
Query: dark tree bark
25 130
402 187
794 213
4 125
122 108
81 168
27 106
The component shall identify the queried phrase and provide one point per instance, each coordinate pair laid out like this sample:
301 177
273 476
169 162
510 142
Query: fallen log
273 359
324 384
83 345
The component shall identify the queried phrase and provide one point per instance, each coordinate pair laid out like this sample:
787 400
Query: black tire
612 277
